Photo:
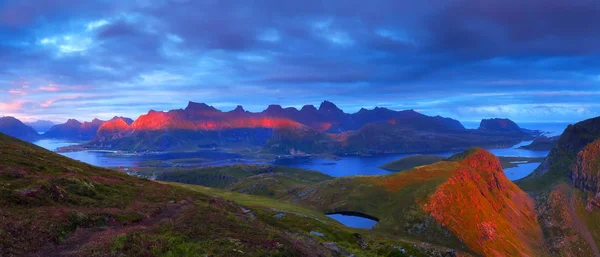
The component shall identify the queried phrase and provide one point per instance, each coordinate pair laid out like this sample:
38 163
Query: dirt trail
82 237
580 226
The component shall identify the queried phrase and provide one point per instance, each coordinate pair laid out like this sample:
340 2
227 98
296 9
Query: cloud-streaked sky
528 60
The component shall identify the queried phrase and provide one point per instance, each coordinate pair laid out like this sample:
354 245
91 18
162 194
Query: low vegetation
54 206
411 161
267 180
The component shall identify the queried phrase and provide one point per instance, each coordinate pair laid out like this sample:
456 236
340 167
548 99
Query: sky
527 60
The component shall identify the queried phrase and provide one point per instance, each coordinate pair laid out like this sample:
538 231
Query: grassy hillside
465 203
55 206
410 162
265 180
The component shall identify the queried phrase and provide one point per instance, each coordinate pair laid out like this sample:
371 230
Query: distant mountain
310 130
497 124
420 133
113 126
73 129
541 143
205 125
15 128
41 125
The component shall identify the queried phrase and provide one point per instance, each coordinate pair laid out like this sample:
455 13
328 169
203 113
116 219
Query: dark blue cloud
468 59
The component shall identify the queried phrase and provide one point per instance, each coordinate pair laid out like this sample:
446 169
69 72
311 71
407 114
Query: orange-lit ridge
178 120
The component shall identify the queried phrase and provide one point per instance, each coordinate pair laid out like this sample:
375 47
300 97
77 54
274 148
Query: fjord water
114 159
343 166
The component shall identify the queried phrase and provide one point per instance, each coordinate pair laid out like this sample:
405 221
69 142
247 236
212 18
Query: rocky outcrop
585 173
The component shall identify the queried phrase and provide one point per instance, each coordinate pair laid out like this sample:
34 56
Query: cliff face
585 173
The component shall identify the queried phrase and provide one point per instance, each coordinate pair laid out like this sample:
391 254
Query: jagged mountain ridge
74 129
40 125
326 129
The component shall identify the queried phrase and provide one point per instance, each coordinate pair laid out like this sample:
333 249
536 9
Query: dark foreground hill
55 206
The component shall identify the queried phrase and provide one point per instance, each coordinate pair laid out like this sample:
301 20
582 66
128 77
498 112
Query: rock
244 210
315 233
172 201
279 216
360 241
450 253
400 249
332 246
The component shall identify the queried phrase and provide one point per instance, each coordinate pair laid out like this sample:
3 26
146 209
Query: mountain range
278 130
326 129
40 126
74 129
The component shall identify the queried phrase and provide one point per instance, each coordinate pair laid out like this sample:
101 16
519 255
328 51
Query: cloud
460 58
50 88
11 106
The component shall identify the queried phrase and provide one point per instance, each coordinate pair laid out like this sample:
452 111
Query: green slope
411 161
268 180
55 206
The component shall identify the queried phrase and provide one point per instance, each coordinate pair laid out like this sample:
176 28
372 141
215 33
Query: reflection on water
353 221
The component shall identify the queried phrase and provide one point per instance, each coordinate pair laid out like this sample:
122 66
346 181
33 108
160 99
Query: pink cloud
17 92
50 102
50 88
13 106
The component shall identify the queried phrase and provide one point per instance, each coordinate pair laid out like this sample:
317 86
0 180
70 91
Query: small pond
354 220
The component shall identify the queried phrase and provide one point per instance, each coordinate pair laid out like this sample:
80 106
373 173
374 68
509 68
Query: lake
344 166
